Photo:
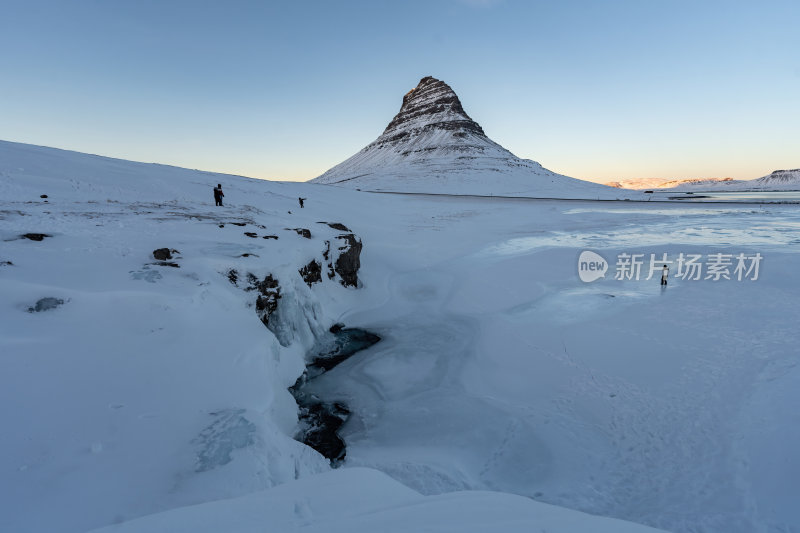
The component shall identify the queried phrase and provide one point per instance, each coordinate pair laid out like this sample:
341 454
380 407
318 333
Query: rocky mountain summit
430 106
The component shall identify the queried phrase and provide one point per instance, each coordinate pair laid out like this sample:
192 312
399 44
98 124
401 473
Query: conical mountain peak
433 145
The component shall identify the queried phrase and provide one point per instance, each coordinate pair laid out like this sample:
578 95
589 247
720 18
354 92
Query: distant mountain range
779 180
433 146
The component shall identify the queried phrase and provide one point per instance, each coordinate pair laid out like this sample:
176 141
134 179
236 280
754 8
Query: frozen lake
501 370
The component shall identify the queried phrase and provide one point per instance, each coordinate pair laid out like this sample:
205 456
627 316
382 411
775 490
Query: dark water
320 420
734 196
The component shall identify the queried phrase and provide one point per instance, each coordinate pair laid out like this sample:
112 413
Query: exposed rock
164 254
6 263
222 225
326 254
42 196
348 262
302 232
241 224
270 237
312 272
249 255
431 98
336 225
269 293
251 234
46 304
35 236
233 276
336 328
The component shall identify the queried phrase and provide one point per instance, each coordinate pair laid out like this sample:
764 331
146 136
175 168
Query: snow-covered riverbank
153 387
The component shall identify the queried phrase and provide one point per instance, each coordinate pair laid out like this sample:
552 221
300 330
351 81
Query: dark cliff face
348 262
432 104
782 173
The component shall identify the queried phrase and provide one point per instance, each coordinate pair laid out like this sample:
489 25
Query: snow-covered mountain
779 180
433 146
659 183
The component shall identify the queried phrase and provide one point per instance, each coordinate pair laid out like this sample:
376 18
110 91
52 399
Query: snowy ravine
505 394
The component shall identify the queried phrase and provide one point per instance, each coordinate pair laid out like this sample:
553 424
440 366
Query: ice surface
230 431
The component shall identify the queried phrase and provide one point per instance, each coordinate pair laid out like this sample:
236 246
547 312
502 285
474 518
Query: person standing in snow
218 194
301 200
664 274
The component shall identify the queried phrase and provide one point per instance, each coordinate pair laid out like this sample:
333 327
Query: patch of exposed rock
349 259
312 272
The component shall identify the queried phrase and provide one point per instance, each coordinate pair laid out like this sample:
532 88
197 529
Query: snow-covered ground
152 388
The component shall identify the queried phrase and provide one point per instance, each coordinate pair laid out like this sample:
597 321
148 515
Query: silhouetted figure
664 274
218 194
301 200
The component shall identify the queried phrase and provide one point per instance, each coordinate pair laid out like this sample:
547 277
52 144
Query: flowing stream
320 419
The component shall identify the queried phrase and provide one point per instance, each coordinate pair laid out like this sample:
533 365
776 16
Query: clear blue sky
284 90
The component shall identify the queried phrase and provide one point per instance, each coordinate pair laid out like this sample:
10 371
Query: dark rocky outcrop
35 236
42 196
349 260
268 289
270 237
251 234
303 232
46 304
269 293
241 224
326 254
312 272
336 225
164 254
6 263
